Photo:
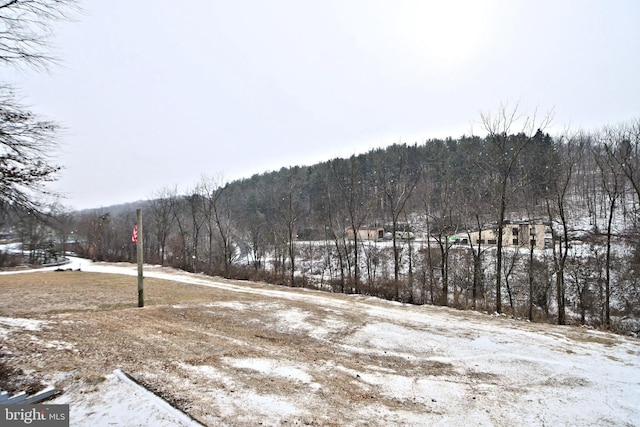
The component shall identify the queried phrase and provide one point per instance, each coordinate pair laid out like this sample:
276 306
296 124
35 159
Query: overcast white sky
157 93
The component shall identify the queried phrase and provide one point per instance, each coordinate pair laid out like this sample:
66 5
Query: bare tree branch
26 27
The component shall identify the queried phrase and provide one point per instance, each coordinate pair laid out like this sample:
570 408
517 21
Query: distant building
402 235
366 233
520 234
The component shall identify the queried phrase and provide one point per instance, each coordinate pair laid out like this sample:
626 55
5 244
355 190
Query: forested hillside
291 226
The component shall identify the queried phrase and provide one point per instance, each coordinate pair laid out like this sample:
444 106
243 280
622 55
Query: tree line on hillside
584 186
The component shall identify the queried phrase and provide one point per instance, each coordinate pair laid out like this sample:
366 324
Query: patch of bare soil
14 380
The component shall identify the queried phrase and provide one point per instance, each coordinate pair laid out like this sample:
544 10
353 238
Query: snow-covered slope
396 365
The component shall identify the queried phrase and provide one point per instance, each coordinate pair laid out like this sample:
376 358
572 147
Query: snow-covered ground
121 402
486 370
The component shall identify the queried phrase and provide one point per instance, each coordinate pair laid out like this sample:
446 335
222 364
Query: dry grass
587 336
30 295
186 342
93 326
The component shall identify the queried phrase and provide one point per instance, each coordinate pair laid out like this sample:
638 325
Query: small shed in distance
366 233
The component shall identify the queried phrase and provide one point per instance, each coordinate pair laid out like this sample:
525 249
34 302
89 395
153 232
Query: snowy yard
244 353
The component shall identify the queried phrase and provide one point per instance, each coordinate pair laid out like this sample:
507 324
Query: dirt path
232 353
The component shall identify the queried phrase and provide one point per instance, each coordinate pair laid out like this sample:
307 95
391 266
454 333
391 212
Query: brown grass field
93 326
242 353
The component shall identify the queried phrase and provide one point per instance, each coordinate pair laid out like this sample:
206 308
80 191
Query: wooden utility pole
140 260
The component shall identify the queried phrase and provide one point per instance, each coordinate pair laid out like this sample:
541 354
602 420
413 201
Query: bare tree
611 180
510 266
289 211
507 148
26 141
196 222
348 176
188 219
26 27
162 219
627 152
216 211
252 225
33 233
567 157
476 209
442 225
63 222
583 277
396 180
334 230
